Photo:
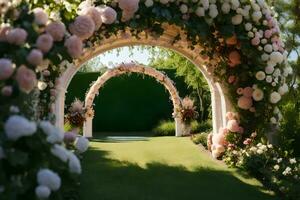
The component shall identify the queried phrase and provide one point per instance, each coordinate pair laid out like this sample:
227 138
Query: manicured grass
161 168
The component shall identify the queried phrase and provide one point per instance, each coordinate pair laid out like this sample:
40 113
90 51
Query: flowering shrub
76 115
276 169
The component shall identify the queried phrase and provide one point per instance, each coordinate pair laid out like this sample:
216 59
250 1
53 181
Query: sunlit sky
124 54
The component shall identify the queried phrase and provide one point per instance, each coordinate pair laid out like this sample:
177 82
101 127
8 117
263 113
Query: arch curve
129 68
220 102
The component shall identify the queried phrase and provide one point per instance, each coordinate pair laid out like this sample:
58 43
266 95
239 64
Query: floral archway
236 44
131 68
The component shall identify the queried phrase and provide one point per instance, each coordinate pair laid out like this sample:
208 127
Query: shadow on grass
107 179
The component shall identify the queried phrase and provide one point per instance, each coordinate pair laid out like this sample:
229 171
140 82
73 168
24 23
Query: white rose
237 19
283 89
276 167
47 177
200 12
17 126
213 11
205 4
258 94
273 120
82 144
183 8
293 160
260 75
265 57
276 57
74 164
269 79
268 48
226 8
269 69
256 16
277 73
60 152
149 3
42 85
275 97
42 192
248 26
53 133
164 1
259 151
235 4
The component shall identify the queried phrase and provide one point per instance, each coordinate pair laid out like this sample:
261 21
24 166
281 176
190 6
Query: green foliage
165 128
199 127
200 138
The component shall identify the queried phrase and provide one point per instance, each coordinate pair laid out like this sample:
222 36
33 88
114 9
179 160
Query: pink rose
268 34
248 91
46 73
223 131
245 103
26 79
231 79
127 15
7 91
255 41
241 130
234 58
35 57
40 16
3 32
247 141
230 115
239 91
6 68
57 30
83 27
44 42
74 46
16 36
218 139
233 126
108 15
70 137
129 5
95 16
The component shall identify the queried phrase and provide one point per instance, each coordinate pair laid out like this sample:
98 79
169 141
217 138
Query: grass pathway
160 168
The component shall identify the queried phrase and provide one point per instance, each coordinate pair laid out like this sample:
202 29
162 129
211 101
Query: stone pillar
178 127
217 114
88 128
60 108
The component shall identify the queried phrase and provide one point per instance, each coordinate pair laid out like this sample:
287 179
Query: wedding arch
236 44
131 68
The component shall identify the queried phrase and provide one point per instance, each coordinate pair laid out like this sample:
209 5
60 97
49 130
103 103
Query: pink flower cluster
129 7
245 102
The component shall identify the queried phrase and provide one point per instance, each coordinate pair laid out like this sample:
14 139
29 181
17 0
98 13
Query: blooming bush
76 115
187 113
276 169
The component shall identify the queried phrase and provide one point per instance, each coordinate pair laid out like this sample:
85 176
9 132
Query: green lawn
161 168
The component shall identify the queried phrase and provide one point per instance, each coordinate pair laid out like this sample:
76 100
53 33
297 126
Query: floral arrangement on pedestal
76 115
241 47
186 113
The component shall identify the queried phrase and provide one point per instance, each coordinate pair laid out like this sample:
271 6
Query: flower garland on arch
39 40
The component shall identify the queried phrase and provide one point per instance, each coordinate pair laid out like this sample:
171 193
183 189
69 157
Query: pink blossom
230 115
35 57
223 131
26 79
3 32
74 46
129 5
6 68
218 139
40 16
241 130
108 15
248 91
16 36
233 126
247 141
252 109
70 137
46 73
268 34
44 42
83 27
271 23
53 92
231 146
275 39
234 58
127 15
57 30
95 16
231 79
7 91
255 41
239 91
245 103
232 40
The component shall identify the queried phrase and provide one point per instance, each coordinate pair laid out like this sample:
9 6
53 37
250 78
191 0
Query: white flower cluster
54 134
260 148
48 181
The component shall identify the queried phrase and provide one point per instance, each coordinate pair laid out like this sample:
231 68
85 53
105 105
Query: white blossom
256 16
42 192
226 8
287 171
283 89
53 133
260 75
82 144
200 12
268 48
276 57
17 126
276 167
149 3
74 164
213 11
237 19
248 26
258 94
48 178
60 152
293 161
275 97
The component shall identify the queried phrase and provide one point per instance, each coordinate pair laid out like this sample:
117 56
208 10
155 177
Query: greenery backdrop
133 102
